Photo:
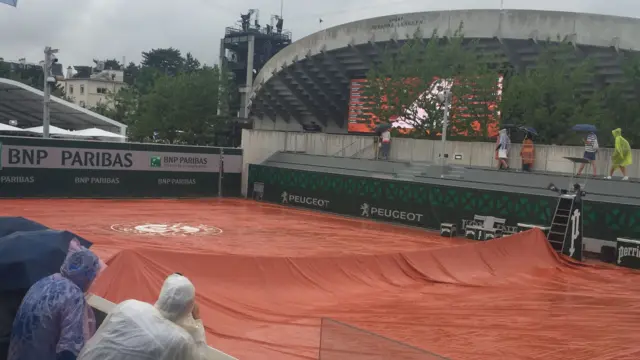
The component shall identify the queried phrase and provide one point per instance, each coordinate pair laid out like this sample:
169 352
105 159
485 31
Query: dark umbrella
584 128
28 256
529 130
382 127
10 224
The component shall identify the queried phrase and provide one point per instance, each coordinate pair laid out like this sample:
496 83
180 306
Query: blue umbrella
28 256
584 128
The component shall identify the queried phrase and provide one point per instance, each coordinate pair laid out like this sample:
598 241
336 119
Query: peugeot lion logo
365 209
284 197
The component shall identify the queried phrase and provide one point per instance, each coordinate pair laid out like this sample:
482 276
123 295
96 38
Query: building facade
92 91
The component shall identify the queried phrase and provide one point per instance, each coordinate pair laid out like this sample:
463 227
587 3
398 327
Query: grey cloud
87 29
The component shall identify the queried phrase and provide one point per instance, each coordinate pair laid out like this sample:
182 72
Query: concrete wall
279 124
258 145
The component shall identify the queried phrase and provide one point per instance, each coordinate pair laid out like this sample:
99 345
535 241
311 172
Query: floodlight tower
49 60
246 48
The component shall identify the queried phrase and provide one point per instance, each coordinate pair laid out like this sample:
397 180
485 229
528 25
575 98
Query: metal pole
220 172
46 68
445 124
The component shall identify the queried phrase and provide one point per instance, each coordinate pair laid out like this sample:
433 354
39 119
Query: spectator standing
54 320
527 153
590 151
504 144
621 157
385 144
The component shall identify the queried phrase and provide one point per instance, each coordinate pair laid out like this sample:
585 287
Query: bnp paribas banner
15 156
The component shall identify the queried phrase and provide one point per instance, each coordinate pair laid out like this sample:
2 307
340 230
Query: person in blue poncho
54 320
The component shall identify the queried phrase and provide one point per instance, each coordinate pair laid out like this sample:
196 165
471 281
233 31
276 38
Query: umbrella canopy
528 129
13 3
584 128
95 132
28 256
10 224
382 127
53 130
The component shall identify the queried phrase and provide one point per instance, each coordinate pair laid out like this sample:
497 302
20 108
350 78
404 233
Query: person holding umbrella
54 320
385 140
621 157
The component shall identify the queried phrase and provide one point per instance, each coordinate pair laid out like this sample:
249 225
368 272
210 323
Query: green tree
120 106
191 64
112 64
406 83
131 73
554 95
183 107
167 61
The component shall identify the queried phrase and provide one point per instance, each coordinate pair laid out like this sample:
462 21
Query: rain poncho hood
136 330
504 140
54 316
622 152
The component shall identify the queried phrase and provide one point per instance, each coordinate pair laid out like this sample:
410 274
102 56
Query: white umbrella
53 130
4 127
95 132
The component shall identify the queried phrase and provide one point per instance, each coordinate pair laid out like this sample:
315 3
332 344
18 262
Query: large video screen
362 121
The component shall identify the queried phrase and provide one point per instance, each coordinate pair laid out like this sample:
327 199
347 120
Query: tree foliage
170 98
31 75
561 89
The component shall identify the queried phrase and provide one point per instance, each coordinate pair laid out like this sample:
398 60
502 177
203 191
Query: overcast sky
88 29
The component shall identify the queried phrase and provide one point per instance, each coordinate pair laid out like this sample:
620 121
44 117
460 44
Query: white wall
90 96
258 145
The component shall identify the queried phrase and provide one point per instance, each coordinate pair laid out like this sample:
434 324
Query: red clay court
266 274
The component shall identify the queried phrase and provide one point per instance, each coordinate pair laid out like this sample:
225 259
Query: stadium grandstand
311 79
22 105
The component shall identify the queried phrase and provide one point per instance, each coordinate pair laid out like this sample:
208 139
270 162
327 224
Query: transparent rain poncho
136 330
54 316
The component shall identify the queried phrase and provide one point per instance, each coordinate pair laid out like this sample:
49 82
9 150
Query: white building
89 92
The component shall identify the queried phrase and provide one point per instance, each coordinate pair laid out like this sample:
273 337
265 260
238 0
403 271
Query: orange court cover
511 298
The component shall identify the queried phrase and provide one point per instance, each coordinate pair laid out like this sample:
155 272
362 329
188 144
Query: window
82 102
102 90
81 89
70 89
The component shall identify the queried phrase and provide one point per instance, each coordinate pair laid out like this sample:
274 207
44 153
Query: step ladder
560 222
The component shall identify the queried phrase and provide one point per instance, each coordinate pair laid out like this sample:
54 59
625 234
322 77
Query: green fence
33 167
428 205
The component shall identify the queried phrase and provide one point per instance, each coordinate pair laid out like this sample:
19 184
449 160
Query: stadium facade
310 80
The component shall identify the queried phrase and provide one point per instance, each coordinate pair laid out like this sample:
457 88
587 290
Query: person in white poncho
169 330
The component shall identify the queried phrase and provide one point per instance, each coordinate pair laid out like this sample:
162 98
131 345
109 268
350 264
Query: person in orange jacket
527 153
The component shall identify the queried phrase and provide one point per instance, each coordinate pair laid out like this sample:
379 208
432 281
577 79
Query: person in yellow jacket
621 157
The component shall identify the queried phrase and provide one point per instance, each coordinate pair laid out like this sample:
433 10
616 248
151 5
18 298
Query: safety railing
340 341
106 306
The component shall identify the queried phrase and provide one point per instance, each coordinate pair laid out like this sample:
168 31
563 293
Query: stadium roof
23 103
309 79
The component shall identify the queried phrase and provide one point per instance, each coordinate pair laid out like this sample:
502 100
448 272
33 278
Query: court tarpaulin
273 281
